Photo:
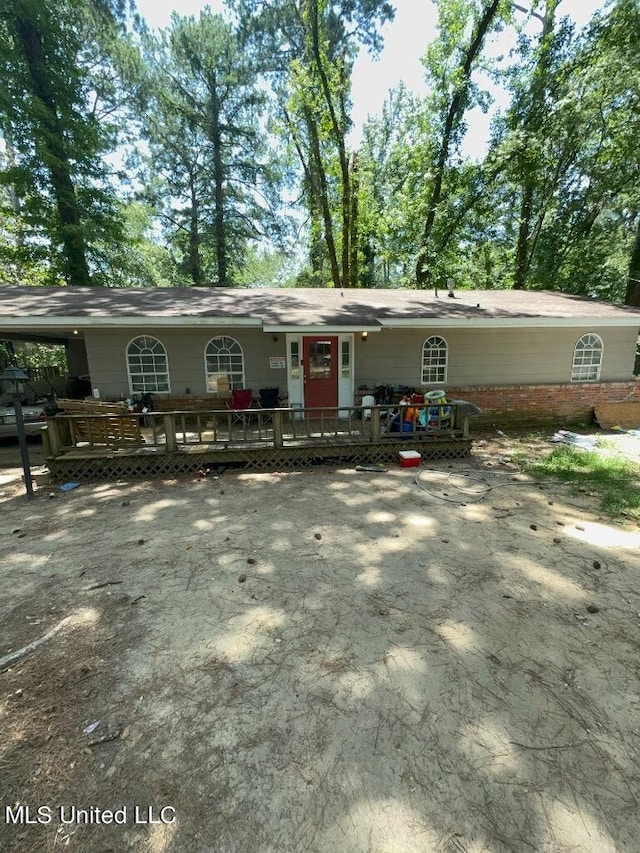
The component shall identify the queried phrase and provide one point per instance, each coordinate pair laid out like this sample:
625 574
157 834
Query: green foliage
209 173
5 356
615 480
429 204
308 48
37 357
570 136
55 189
137 260
264 268
395 161
555 202
225 125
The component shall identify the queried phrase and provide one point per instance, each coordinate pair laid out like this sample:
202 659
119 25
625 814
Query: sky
405 40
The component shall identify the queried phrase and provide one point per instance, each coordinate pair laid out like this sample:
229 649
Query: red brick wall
531 405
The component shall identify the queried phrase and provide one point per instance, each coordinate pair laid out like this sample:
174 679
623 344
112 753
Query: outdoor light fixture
275 339
365 335
15 377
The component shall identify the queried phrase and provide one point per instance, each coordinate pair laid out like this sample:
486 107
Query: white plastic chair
367 400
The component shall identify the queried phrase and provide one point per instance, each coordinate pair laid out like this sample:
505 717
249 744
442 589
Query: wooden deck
169 443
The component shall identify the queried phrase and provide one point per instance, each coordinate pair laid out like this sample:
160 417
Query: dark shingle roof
302 307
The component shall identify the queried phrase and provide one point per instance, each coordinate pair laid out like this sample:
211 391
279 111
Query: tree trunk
323 199
54 154
353 224
14 198
366 263
349 205
195 262
343 279
219 230
632 296
312 193
454 114
317 249
522 246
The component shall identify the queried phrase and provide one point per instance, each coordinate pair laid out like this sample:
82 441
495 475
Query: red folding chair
241 399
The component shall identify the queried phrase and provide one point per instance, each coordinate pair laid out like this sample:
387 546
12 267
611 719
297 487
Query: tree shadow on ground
330 661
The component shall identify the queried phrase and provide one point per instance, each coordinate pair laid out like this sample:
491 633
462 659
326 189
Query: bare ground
322 661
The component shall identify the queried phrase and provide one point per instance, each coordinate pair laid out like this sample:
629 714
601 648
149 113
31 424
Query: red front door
320 362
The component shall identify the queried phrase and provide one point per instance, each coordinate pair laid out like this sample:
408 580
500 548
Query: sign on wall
277 362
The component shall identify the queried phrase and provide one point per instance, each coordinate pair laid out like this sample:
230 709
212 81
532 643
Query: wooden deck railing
171 432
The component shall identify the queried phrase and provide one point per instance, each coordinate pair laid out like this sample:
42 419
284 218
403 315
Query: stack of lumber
189 403
116 426
92 407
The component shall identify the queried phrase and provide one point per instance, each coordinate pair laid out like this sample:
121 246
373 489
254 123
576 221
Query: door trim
295 386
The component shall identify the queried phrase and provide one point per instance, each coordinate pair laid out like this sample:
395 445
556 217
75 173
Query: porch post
54 436
170 434
375 421
277 428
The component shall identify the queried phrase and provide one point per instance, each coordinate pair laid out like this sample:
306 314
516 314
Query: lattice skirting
119 466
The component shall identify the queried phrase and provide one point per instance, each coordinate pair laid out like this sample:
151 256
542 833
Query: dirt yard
326 661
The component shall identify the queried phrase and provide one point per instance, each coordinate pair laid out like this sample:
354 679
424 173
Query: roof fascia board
319 329
509 322
255 322
114 322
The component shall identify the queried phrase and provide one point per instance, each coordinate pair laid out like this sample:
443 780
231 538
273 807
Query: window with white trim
294 350
147 365
345 359
587 359
223 364
434 361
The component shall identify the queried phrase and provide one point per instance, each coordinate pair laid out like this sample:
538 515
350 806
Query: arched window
223 364
147 365
434 361
587 359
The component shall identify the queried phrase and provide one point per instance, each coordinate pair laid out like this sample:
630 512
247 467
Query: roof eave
82 322
506 322
320 329
115 322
